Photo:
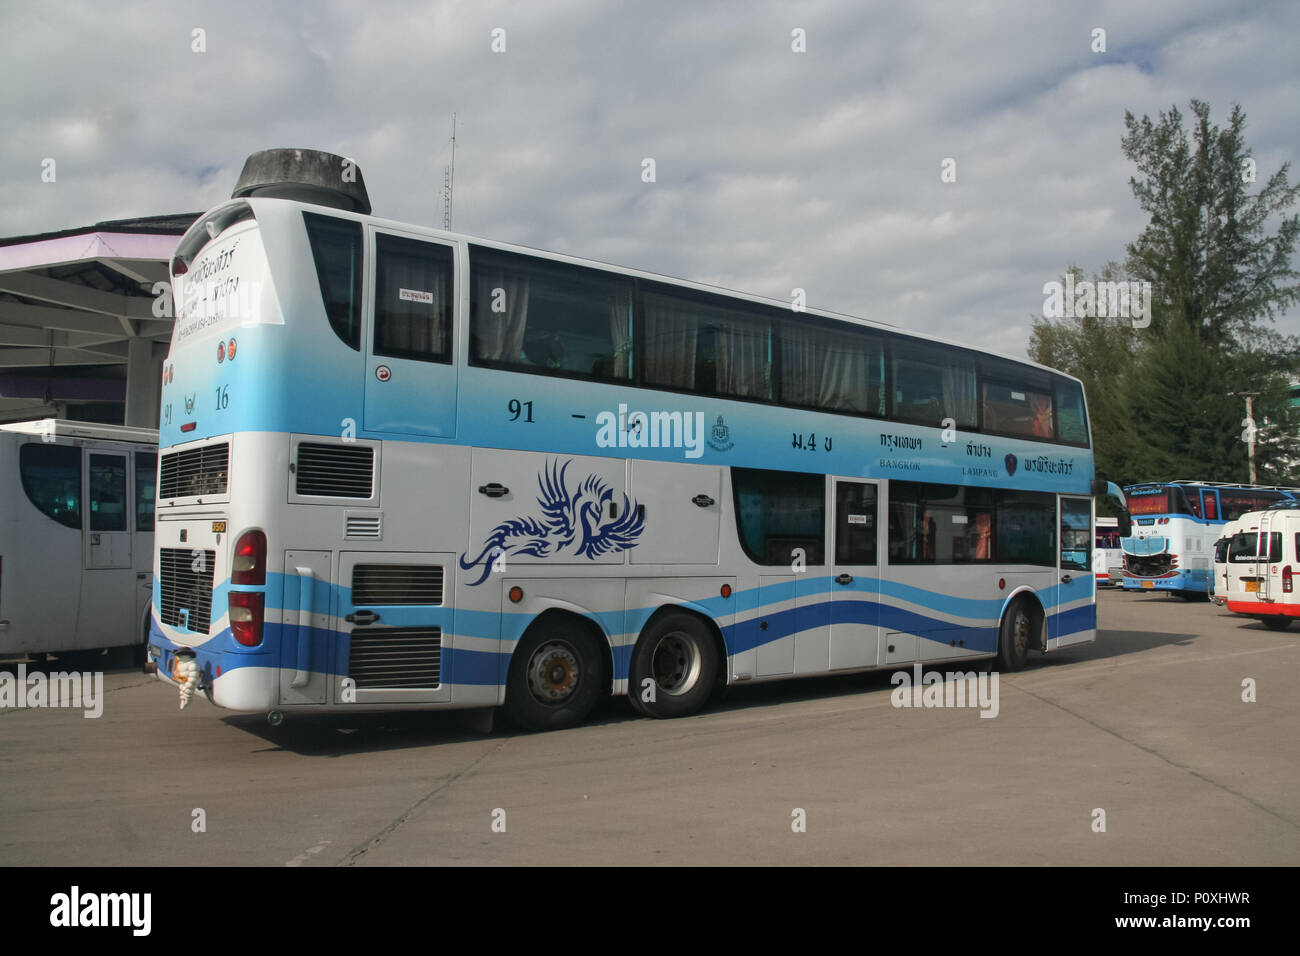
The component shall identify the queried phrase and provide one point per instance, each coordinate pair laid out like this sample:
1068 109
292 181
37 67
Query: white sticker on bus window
415 295
857 519
1018 396
958 519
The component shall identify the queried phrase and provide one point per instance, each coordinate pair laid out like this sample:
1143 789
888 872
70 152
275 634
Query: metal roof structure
85 320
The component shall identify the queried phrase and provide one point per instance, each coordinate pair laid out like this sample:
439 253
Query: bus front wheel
673 667
555 676
1278 622
1015 637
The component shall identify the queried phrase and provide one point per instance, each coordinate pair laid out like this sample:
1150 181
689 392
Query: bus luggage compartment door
306 643
397 648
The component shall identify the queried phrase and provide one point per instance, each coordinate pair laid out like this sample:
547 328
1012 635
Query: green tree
1217 252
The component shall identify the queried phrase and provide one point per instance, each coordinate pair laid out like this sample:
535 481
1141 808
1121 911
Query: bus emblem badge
721 438
383 373
1011 464
189 403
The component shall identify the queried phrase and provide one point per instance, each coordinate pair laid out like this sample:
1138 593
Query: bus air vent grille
390 584
335 471
186 588
194 471
402 658
364 526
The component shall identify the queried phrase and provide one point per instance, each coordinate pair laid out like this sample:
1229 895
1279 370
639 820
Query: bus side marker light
516 594
188 426
726 590
1002 584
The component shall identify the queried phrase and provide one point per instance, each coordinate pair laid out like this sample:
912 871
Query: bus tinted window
777 512
1015 400
855 523
833 370
51 476
1071 419
701 344
1234 504
931 383
107 493
412 299
146 473
336 249
939 524
949 524
538 316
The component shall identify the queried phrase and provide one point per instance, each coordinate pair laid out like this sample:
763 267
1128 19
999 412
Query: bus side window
107 493
146 471
51 476
778 512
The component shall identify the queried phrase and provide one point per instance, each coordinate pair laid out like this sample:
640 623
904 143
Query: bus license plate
1252 586
1148 584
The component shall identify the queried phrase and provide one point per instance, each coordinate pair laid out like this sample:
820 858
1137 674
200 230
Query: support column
143 383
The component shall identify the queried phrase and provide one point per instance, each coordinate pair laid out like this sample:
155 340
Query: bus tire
556 676
1277 622
1014 636
679 658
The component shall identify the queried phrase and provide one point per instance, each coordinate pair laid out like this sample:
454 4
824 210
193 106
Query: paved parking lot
1147 725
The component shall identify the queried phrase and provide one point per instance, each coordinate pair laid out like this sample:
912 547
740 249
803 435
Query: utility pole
1250 428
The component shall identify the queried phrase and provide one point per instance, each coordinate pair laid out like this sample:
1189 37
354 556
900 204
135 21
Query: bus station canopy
83 331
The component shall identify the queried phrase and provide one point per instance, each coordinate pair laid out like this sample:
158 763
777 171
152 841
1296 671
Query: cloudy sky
773 169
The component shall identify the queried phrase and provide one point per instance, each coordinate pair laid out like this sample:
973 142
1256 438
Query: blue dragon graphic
573 522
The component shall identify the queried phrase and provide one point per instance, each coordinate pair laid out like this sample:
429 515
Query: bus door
855 575
410 365
1069 621
107 604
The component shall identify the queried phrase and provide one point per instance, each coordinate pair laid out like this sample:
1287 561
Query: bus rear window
336 249
1245 548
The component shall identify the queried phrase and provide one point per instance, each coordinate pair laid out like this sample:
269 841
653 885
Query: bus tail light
249 565
1286 579
247 612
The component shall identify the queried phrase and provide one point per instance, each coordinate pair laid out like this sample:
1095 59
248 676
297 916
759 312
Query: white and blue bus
1175 525
404 468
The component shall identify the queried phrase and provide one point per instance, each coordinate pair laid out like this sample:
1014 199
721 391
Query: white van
1256 563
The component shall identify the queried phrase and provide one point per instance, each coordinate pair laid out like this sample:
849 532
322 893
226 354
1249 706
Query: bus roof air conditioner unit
305 175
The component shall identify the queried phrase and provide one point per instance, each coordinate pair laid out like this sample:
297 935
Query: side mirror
1125 521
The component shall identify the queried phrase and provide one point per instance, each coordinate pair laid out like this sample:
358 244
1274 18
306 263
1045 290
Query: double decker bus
1176 525
405 468
76 536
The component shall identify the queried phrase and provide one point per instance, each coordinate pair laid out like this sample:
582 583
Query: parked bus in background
76 536
404 468
1256 566
1107 556
1175 526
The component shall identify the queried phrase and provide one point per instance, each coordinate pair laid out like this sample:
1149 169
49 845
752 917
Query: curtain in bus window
501 316
412 297
620 331
931 384
671 340
823 369
1041 408
743 354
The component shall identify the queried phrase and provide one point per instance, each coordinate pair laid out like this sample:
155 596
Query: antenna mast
449 179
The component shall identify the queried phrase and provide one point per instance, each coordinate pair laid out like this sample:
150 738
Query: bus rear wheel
1278 622
673 667
556 676
1015 636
